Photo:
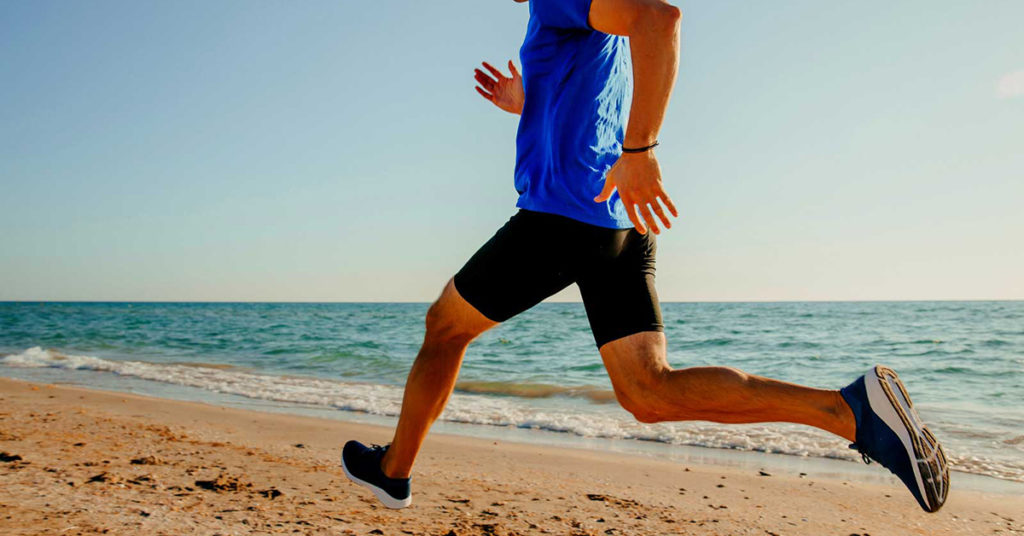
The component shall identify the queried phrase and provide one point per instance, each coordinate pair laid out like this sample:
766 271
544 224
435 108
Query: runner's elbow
671 13
657 16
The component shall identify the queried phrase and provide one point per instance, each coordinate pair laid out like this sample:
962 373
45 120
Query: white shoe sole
383 496
889 400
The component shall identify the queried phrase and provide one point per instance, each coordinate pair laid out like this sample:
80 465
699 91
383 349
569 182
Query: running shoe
362 466
890 432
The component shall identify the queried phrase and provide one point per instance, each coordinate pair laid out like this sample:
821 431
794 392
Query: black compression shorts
535 255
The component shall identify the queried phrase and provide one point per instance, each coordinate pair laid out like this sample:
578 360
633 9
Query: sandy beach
79 461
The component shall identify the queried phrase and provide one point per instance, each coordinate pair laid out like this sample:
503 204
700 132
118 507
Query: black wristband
639 149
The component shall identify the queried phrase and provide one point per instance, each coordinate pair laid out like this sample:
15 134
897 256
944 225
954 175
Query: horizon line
365 302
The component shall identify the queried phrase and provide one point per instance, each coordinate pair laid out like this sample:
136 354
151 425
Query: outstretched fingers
656 207
484 94
485 81
645 213
632 213
668 203
496 73
664 199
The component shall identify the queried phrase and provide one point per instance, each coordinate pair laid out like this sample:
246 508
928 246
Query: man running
597 76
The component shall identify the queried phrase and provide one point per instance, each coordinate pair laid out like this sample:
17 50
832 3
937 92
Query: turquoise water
963 363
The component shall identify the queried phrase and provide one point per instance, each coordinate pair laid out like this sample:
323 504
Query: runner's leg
523 263
625 316
649 388
452 324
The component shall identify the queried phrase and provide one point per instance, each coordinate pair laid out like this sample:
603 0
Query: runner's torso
578 84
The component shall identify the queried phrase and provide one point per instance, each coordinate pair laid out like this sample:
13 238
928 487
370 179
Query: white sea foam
574 417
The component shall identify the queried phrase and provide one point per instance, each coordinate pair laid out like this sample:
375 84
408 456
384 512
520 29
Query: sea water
963 363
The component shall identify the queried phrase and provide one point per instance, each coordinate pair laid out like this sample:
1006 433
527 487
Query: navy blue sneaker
890 432
362 466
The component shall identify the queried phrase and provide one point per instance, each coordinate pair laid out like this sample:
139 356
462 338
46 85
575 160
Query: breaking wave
522 405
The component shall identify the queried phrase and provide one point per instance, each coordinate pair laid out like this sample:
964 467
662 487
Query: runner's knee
444 327
642 411
642 395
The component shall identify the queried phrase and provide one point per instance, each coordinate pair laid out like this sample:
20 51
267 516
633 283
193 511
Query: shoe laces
867 460
863 455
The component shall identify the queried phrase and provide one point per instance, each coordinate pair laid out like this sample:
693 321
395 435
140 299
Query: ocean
963 363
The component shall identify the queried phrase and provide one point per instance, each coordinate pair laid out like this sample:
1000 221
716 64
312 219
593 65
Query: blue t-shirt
579 86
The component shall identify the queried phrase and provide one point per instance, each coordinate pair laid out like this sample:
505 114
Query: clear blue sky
254 150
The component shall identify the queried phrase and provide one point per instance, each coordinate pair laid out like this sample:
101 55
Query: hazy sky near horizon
257 150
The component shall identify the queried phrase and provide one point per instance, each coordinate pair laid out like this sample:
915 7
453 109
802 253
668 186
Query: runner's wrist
637 149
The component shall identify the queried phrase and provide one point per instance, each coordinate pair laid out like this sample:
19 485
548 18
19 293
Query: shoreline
741 458
356 358
76 470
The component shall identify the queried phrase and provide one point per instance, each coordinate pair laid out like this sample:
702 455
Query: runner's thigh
523 263
618 288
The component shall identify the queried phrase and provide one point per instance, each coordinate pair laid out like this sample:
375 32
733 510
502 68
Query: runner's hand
506 93
637 176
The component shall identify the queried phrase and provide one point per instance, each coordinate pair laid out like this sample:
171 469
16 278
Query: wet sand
79 461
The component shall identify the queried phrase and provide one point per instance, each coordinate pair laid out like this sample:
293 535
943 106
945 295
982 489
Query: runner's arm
653 30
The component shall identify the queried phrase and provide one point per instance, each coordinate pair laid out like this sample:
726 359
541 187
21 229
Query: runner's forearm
653 30
655 52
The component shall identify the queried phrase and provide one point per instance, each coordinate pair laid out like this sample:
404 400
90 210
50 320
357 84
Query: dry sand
78 461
